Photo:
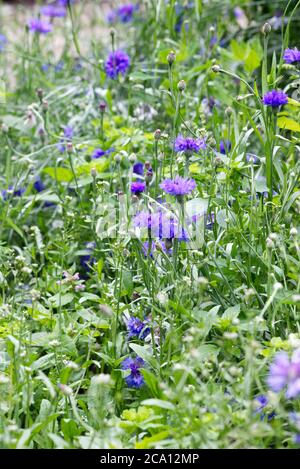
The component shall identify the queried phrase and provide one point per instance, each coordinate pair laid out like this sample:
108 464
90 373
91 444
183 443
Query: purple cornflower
189 145
275 98
3 41
208 105
53 11
68 135
65 3
138 187
178 186
117 63
137 328
291 55
97 153
125 12
285 373
135 379
138 168
39 26
225 146
11 192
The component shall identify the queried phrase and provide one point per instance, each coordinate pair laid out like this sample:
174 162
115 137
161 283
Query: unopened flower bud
102 106
266 29
228 111
157 134
117 158
147 165
40 93
69 147
132 158
171 58
216 68
93 172
293 231
181 85
45 105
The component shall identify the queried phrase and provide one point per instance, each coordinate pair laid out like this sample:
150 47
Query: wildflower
138 168
3 42
39 185
208 105
53 11
98 152
261 402
285 373
291 55
251 158
126 12
36 25
138 187
135 379
275 98
225 146
137 328
11 192
178 186
189 145
117 63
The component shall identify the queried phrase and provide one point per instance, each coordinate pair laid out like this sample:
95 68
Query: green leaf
61 300
159 403
287 123
59 174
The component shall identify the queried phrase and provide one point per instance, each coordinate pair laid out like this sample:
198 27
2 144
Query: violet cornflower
179 186
135 379
53 11
116 64
137 187
275 98
138 168
126 12
291 56
285 374
11 192
225 146
189 145
137 328
36 25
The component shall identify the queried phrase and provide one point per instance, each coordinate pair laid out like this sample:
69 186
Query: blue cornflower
291 56
275 98
137 187
11 192
251 158
137 328
189 145
116 64
179 186
126 12
3 41
36 25
138 168
225 146
39 185
135 379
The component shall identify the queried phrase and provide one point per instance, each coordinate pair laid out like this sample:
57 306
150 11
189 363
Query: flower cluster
117 63
135 379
